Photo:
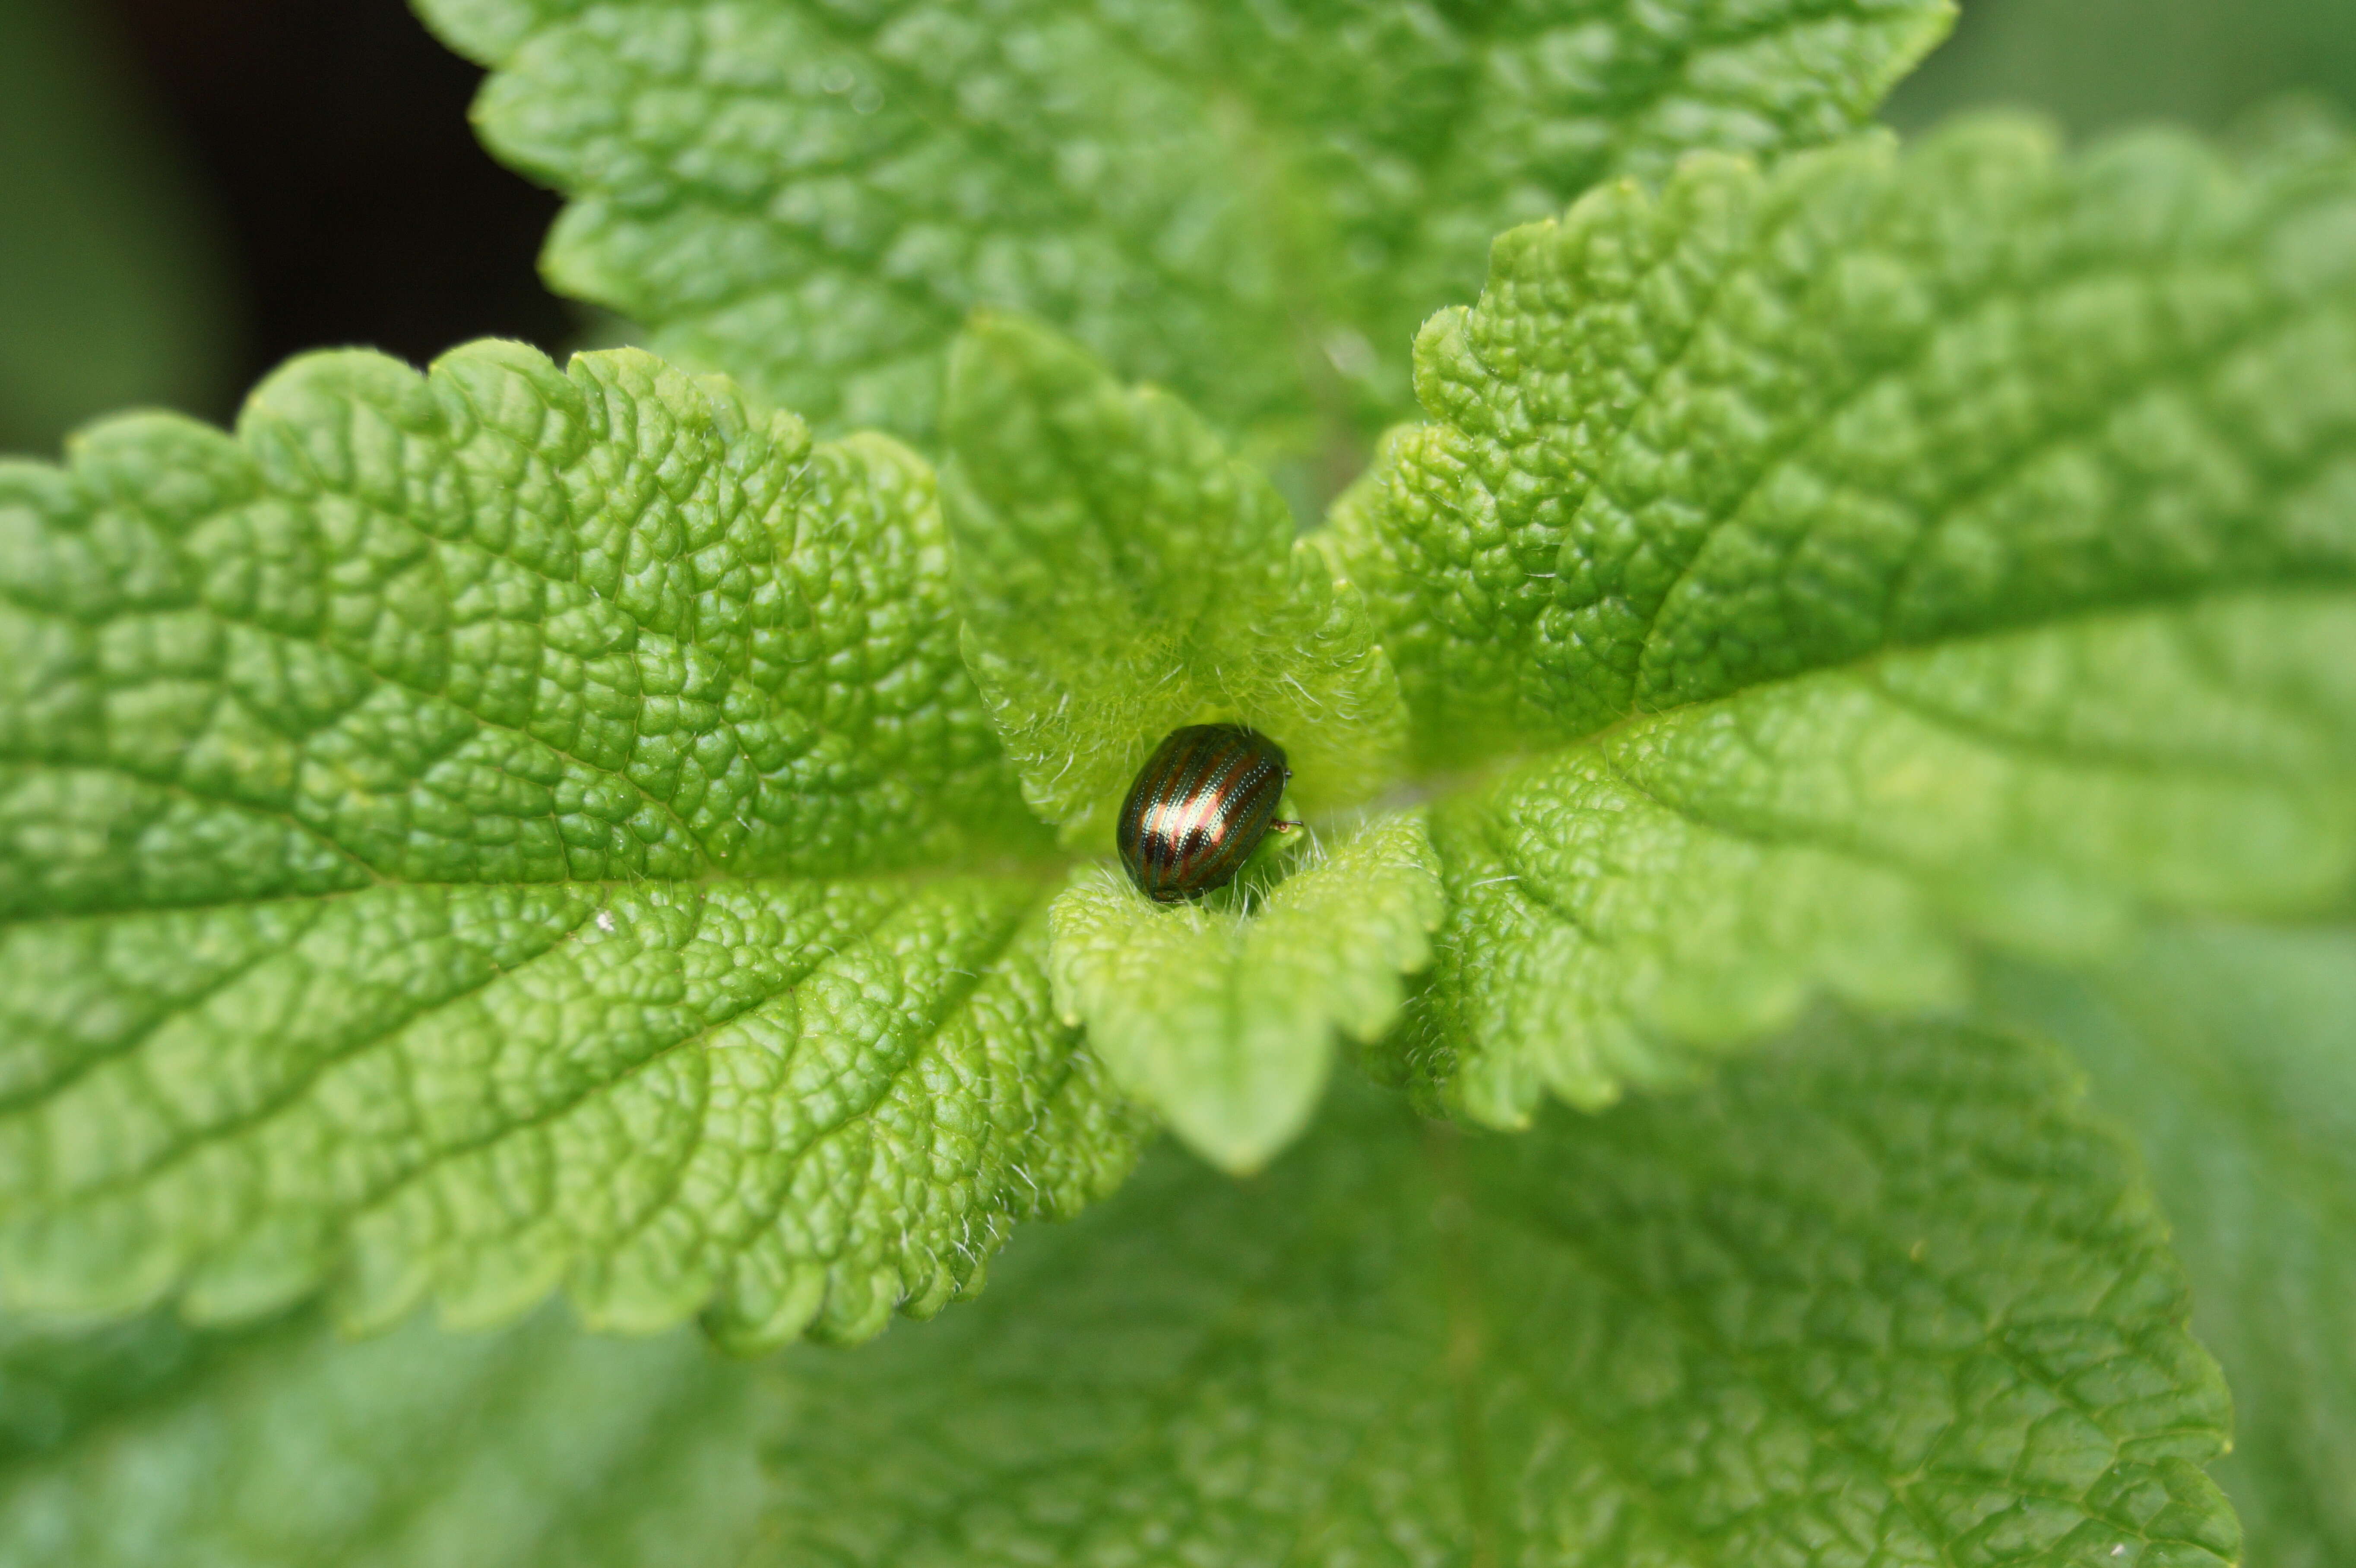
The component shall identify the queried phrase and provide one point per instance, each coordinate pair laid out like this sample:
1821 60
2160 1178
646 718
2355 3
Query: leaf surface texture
1875 556
1121 574
1252 206
1885 1297
462 840
1226 1018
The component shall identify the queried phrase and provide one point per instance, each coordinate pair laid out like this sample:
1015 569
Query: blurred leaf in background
112 287
2099 63
2231 1053
282 1446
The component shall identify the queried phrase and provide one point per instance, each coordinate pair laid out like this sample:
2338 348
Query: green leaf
2233 1055
2100 63
1888 1297
1760 425
282 1447
111 280
455 838
1895 553
1121 575
1224 1019
1251 206
1628 910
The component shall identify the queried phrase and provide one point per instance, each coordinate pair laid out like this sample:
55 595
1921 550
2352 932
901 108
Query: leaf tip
1233 1149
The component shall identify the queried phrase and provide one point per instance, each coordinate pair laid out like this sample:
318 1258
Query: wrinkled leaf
1886 1298
1761 425
1225 1017
1630 908
1251 204
1882 554
456 839
1120 574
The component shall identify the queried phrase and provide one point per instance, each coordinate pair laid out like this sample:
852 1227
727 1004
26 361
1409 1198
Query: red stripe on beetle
1199 807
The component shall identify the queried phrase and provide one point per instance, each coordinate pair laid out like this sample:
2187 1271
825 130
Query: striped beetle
1200 807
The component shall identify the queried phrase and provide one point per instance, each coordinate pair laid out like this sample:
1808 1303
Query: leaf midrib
1492 770
299 1088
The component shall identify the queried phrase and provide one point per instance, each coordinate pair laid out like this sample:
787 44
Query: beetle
1200 807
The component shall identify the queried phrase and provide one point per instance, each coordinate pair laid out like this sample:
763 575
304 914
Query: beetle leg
1285 826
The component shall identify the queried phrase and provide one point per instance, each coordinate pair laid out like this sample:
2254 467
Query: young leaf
450 836
1121 575
1224 1019
1894 551
1251 206
1886 1298
282 1447
2233 1055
